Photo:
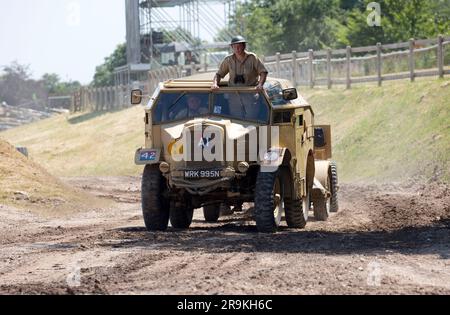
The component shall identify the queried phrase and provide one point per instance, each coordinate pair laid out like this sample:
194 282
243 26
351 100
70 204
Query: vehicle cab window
249 106
180 106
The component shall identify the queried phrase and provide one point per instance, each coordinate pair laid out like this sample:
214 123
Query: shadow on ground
88 116
432 239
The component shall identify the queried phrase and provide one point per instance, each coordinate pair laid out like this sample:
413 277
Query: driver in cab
194 108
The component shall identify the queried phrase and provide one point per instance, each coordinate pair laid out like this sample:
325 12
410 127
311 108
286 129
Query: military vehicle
214 149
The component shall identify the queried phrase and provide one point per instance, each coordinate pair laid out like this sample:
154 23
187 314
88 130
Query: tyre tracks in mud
385 239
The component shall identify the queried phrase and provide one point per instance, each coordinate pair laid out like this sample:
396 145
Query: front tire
155 206
269 201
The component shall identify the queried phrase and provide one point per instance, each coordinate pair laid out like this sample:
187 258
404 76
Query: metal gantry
183 21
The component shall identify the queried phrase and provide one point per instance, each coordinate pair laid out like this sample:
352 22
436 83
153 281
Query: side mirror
136 97
290 94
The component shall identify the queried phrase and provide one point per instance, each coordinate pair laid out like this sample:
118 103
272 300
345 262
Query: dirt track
386 239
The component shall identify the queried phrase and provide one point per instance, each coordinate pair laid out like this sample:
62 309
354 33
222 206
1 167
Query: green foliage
18 88
104 74
54 86
401 20
286 25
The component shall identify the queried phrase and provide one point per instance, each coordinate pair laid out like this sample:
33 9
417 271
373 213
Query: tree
104 74
287 25
401 20
54 86
17 87
307 24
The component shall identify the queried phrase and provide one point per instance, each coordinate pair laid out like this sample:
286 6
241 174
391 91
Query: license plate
202 175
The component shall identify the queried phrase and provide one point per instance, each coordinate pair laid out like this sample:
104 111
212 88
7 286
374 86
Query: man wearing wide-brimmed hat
244 68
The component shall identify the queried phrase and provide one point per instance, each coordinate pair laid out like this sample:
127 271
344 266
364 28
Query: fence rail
352 65
382 62
101 99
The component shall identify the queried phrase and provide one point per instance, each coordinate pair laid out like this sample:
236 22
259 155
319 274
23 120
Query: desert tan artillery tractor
217 150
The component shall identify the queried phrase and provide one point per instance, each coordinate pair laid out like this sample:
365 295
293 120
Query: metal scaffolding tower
146 21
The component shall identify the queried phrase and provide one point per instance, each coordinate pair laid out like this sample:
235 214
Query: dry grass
393 133
84 144
398 132
25 184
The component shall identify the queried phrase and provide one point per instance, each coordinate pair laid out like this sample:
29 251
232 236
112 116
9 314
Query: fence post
110 98
348 67
106 92
100 103
72 103
379 64
311 68
278 65
294 68
440 56
205 63
329 82
105 99
99 99
411 60
89 99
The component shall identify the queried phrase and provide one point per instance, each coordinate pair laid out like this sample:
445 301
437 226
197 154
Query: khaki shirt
251 68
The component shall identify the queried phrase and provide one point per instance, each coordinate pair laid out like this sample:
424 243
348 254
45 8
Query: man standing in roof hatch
245 68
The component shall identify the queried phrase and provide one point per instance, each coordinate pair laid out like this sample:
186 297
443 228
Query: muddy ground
386 239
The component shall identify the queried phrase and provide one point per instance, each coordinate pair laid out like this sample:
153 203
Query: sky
67 37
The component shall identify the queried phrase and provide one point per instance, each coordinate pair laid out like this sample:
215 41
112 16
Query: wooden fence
176 72
101 99
116 97
412 59
382 62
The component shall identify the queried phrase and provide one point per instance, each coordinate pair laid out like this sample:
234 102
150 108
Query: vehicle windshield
275 92
242 105
179 106
234 105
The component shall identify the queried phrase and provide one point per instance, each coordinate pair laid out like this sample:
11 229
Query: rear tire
155 206
269 201
211 213
334 187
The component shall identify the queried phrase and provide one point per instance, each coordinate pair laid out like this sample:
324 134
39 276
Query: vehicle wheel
269 201
334 187
297 212
155 207
322 209
211 213
180 217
